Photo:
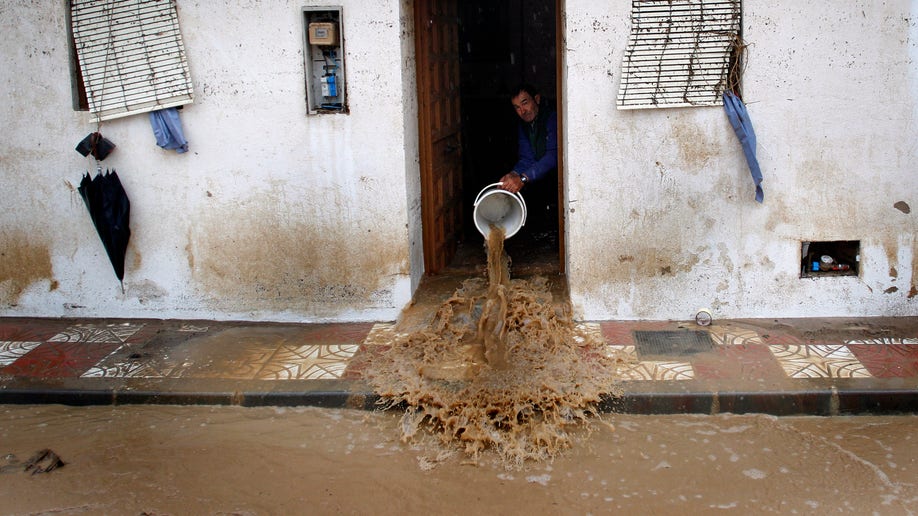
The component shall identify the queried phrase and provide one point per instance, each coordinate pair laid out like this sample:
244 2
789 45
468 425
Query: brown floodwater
233 460
501 366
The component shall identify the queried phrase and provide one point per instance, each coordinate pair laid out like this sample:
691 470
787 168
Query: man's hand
511 182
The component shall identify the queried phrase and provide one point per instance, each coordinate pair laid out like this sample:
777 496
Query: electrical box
323 33
324 60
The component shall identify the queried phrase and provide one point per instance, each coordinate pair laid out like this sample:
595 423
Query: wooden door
439 124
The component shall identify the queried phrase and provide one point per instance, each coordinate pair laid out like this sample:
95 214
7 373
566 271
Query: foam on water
501 366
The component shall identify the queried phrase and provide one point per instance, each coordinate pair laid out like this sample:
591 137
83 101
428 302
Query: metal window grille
679 53
131 56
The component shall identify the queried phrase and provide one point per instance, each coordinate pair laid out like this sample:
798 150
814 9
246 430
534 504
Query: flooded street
216 460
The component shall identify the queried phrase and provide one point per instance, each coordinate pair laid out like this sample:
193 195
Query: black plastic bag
97 145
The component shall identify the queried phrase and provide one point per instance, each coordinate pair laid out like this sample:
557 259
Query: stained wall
272 214
661 219
275 215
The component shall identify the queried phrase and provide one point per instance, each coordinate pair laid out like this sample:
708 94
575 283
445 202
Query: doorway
497 46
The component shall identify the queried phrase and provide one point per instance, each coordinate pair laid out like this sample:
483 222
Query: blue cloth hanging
742 126
167 128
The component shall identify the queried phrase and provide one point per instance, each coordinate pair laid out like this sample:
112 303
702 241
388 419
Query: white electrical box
324 60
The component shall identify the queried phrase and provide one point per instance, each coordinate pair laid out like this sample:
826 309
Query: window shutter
131 56
679 53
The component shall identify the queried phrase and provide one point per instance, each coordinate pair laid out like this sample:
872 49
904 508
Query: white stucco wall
272 215
661 218
275 215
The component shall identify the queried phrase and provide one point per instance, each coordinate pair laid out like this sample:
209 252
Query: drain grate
667 344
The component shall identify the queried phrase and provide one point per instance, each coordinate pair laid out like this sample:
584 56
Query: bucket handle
499 183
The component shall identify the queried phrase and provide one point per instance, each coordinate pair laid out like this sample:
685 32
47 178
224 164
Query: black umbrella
110 210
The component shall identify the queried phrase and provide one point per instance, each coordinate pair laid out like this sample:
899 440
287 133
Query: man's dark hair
528 88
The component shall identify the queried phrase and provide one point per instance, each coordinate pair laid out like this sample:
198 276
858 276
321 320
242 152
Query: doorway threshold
470 262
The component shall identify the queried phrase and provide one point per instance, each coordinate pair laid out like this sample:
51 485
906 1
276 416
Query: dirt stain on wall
696 147
648 263
22 262
264 259
914 290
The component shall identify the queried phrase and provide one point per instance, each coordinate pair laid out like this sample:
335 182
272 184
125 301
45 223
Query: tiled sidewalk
801 366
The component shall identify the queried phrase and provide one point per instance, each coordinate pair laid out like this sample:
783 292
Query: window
130 57
680 53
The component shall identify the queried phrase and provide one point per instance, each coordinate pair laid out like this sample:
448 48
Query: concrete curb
804 397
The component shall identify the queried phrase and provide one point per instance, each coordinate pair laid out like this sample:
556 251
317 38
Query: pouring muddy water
498 215
501 366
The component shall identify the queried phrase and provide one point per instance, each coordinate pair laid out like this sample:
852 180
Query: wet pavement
780 367
154 459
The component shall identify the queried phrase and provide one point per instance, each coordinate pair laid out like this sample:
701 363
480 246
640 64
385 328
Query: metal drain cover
667 344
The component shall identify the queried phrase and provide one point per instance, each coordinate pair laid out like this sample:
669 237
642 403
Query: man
538 139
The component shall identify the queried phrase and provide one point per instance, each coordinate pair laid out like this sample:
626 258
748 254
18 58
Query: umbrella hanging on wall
110 211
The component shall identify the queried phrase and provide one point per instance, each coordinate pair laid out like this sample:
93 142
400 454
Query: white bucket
500 208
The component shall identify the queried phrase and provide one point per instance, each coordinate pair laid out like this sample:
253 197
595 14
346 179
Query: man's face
526 106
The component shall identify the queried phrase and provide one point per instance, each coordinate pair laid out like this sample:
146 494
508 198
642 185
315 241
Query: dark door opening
501 45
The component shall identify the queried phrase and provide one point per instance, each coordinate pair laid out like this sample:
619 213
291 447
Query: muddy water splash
492 327
501 366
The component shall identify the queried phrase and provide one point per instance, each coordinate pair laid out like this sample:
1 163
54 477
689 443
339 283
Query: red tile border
621 333
29 331
337 333
60 359
888 360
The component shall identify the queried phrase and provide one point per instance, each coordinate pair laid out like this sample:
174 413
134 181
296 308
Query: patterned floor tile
12 351
888 361
239 353
118 333
193 328
736 362
168 353
123 369
819 361
589 333
29 331
628 351
633 369
778 338
60 359
140 361
382 334
617 333
378 340
360 362
343 333
884 341
659 370
312 362
734 336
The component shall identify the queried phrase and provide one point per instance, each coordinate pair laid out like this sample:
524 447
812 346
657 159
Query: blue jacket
537 158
